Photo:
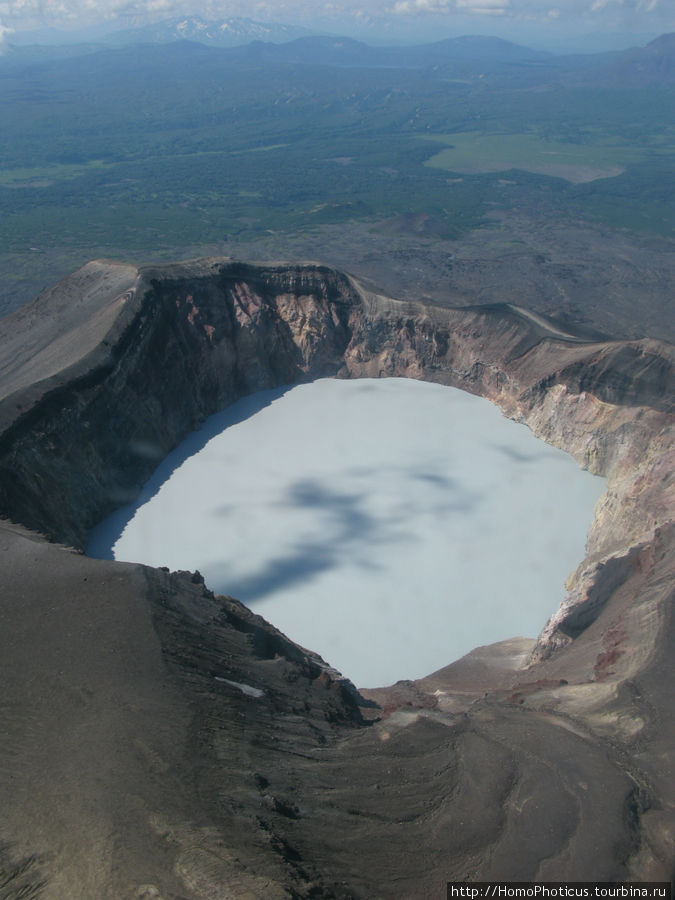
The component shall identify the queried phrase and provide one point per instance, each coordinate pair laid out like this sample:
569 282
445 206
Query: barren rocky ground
609 283
164 742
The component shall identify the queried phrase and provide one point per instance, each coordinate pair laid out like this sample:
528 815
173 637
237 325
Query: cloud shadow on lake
344 528
345 532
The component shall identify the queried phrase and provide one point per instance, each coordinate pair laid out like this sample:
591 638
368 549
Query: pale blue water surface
390 525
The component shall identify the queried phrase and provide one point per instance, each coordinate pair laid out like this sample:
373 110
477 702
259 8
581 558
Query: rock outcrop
163 742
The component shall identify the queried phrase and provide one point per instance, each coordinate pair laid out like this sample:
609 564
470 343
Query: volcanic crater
161 741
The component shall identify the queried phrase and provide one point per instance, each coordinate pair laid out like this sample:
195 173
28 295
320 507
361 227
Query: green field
142 155
475 152
43 176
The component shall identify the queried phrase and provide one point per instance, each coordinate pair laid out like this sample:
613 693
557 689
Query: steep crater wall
189 339
126 710
187 344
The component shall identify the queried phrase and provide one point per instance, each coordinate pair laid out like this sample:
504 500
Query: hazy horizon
593 25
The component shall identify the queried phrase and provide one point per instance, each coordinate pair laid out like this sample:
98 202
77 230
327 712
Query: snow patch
244 688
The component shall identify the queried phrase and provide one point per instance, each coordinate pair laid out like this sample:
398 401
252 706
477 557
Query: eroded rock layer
163 742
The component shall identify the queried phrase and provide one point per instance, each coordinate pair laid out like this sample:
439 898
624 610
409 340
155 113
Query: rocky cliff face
185 343
547 759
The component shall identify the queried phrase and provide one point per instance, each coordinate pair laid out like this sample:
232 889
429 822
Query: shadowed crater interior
160 740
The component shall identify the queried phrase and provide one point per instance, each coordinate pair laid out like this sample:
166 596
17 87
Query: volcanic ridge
163 742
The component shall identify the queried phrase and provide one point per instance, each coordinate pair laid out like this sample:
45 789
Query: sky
441 17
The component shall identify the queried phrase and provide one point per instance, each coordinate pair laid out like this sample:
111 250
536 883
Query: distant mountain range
278 42
648 65
342 51
641 66
232 31
229 32
259 43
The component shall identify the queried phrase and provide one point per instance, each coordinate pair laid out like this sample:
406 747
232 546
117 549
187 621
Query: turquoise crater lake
391 525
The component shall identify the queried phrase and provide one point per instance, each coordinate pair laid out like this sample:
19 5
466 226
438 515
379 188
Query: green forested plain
155 148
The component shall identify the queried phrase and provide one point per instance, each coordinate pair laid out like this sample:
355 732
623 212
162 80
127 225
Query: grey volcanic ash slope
163 742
